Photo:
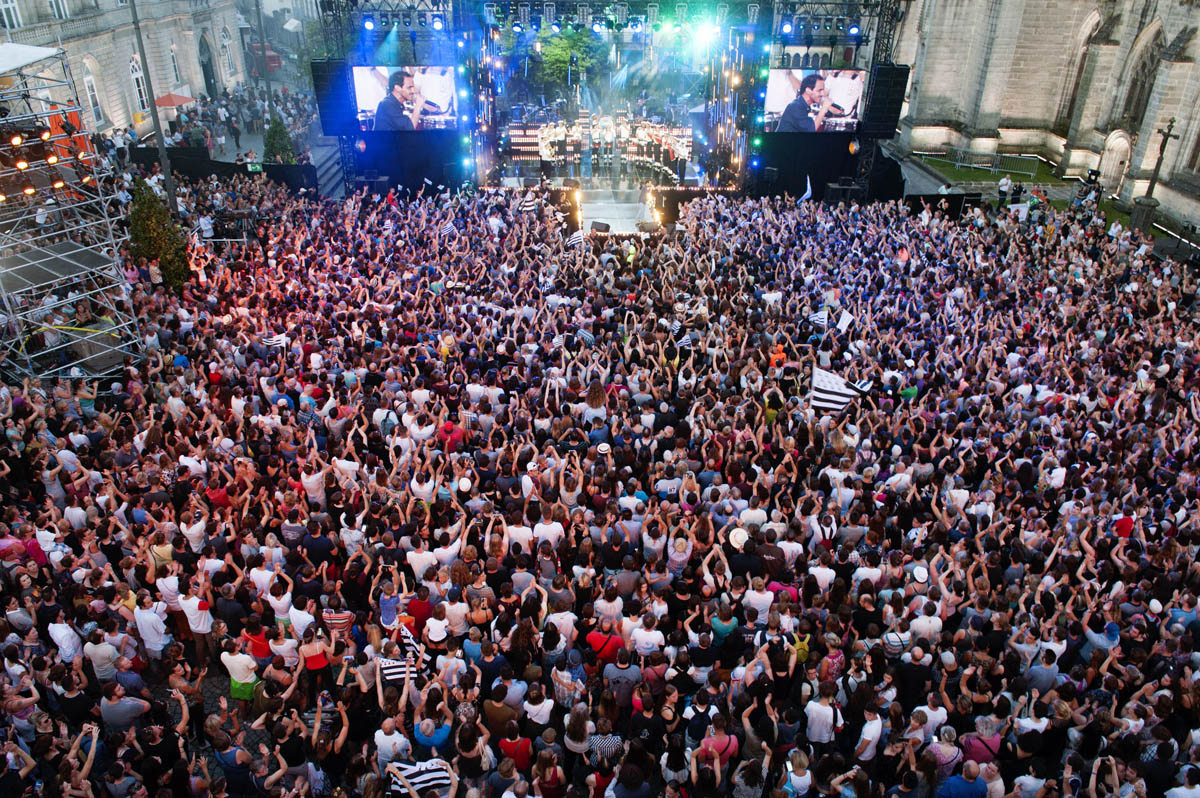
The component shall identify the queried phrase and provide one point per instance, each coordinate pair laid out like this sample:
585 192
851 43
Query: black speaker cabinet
888 84
600 227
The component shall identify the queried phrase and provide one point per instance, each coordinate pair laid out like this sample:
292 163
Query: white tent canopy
15 57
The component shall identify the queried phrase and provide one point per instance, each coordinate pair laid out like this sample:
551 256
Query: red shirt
606 646
420 612
520 750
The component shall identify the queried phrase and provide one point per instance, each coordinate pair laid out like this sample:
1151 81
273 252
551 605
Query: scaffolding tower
66 306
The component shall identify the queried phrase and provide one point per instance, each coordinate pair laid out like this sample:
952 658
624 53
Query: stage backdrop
819 157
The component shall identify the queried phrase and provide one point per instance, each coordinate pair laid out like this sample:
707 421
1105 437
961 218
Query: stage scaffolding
65 304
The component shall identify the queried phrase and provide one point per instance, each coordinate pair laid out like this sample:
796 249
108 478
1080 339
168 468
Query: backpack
388 423
801 647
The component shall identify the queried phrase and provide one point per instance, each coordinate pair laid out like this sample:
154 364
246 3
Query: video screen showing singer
402 90
813 101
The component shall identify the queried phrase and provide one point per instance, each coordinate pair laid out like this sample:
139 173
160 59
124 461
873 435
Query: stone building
1086 83
193 47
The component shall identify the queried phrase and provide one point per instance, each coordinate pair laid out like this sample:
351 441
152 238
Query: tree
277 145
154 235
589 49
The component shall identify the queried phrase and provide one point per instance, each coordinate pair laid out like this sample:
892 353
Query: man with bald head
966 785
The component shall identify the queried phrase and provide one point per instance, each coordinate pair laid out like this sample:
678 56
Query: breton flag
528 204
396 670
393 670
276 340
832 394
845 320
807 189
576 239
820 318
448 229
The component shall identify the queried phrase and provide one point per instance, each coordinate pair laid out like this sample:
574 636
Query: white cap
738 537
464 485
1155 606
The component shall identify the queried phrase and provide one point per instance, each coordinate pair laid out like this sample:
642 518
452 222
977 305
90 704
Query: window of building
60 9
175 67
227 54
10 14
139 83
92 96
1194 161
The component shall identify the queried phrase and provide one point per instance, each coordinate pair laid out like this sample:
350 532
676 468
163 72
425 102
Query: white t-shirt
300 619
151 625
391 745
871 732
552 532
242 667
199 618
168 588
647 641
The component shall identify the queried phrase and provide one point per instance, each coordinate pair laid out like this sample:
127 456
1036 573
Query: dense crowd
409 495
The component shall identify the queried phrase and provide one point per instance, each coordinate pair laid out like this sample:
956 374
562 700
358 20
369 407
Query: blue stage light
597 27
518 27
438 22
368 23
556 27
854 29
754 164
787 27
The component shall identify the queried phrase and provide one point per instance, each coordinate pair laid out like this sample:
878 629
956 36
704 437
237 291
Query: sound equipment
835 193
600 227
888 84
335 101
569 182
771 175
531 182
691 182
646 227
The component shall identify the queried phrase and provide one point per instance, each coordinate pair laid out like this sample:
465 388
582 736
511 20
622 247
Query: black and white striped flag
820 318
448 229
832 394
276 340
576 239
528 204
396 670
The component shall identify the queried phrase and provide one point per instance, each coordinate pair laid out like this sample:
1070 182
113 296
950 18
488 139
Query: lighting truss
59 278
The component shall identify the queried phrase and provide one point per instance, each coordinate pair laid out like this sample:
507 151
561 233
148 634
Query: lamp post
1142 217
266 67
164 160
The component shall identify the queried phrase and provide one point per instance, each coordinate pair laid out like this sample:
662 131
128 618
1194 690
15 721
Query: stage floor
618 209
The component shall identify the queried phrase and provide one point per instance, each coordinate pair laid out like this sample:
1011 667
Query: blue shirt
958 787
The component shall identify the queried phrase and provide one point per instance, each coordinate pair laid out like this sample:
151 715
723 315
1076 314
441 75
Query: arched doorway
1114 160
206 67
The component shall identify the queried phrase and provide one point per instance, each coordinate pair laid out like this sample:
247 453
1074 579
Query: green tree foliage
591 50
154 235
277 145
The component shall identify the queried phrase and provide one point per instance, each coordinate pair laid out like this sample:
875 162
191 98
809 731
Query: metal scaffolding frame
64 300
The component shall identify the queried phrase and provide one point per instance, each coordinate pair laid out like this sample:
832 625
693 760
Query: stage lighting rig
555 27
439 22
786 27
368 22
854 29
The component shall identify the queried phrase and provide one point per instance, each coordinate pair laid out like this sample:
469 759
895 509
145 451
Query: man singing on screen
390 115
806 113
